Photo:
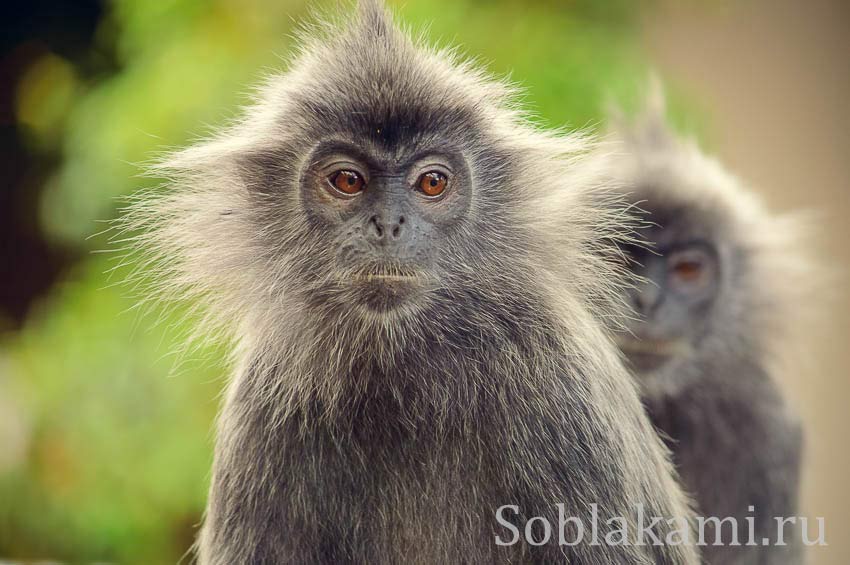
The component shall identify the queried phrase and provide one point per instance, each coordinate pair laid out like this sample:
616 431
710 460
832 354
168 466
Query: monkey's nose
382 231
646 298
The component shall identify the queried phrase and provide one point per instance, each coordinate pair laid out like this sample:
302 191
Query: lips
650 354
384 290
384 274
384 277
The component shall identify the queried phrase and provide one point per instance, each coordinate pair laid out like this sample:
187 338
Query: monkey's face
674 300
383 217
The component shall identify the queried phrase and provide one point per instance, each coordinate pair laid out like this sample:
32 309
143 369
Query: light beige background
774 79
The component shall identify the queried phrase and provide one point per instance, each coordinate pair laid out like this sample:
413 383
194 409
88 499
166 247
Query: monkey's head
681 278
720 274
375 178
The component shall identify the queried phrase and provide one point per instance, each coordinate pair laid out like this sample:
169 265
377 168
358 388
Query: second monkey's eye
347 182
432 183
690 269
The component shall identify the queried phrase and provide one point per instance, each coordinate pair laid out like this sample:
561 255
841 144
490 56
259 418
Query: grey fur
734 439
352 435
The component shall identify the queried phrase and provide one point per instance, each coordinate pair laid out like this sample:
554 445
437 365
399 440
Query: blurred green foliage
117 444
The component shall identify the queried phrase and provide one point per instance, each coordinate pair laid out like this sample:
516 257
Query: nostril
397 227
376 226
637 303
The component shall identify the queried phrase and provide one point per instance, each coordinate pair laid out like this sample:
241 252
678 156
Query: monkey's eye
347 182
432 183
690 268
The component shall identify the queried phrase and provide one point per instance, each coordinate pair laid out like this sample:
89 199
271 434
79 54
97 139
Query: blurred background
105 442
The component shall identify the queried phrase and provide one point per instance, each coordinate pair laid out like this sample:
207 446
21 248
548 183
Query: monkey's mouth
383 288
385 274
384 278
650 354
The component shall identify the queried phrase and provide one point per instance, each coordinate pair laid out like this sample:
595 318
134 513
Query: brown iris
347 182
688 270
433 183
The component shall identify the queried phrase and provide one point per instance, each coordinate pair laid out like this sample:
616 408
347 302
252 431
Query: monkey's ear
266 170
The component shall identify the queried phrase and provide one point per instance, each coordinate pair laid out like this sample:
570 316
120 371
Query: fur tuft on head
373 17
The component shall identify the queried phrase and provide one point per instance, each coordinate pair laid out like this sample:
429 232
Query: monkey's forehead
389 106
672 217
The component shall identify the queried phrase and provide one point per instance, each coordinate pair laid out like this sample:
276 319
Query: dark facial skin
387 213
671 305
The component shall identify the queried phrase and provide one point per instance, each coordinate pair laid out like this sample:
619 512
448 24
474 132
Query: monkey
707 333
381 236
